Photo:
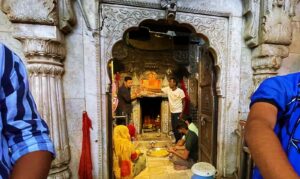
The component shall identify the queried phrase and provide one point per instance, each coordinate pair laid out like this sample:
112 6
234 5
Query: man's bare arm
183 155
181 142
264 145
32 165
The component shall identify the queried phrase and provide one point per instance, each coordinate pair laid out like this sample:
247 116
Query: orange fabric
187 98
134 156
125 168
131 129
85 165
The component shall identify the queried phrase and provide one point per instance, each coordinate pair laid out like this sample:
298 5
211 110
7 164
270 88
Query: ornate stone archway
217 30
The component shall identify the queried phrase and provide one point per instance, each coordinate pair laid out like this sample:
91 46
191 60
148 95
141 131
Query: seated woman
127 161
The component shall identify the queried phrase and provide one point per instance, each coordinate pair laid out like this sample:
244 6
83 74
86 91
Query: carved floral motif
44 48
214 28
42 12
120 19
251 10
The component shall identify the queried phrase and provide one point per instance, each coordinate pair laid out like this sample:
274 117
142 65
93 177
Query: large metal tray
149 152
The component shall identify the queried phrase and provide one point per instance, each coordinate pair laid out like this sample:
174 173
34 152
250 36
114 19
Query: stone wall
6 29
291 64
81 86
80 81
85 84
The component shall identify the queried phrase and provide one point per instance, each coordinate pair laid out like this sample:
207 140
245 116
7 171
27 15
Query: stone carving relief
181 56
276 24
266 60
251 15
42 47
194 6
42 12
211 27
268 28
120 19
214 28
67 17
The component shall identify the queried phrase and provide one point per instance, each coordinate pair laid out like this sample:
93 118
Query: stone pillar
45 52
136 115
266 60
39 25
268 31
136 111
165 116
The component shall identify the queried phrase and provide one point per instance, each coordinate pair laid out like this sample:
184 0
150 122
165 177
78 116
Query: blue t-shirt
284 93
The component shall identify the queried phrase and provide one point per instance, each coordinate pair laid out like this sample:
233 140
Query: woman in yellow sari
127 163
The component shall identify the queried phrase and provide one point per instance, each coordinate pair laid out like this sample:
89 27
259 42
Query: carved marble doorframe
219 32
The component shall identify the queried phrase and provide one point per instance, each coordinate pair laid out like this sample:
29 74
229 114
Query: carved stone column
136 115
45 55
39 25
268 31
165 116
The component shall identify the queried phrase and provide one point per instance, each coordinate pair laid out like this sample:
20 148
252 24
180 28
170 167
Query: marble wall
85 79
80 81
81 86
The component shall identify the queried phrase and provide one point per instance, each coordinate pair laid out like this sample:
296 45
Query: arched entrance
216 29
154 51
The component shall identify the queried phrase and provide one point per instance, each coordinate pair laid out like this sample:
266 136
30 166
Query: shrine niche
150 82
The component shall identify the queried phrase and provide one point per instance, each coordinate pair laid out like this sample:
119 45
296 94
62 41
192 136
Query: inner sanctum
151 54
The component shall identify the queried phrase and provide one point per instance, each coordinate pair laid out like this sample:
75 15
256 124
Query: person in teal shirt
192 127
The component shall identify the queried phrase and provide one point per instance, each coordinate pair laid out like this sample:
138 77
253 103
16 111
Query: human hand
172 149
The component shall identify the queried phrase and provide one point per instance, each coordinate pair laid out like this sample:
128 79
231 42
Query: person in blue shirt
272 131
26 150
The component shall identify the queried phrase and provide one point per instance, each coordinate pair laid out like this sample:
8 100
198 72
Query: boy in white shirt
176 102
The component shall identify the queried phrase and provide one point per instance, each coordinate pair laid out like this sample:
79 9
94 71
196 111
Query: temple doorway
152 53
